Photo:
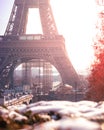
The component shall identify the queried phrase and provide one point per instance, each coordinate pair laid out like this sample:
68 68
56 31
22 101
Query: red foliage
96 78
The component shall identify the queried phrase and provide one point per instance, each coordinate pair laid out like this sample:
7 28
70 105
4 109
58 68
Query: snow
57 115
70 124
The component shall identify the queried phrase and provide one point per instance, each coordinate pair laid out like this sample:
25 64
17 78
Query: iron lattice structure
17 47
100 2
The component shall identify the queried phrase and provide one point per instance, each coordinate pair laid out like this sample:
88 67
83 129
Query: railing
20 100
31 37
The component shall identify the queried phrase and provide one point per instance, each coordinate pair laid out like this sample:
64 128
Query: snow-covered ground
54 115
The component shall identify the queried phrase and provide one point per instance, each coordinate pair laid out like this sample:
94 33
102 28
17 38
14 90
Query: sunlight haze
76 20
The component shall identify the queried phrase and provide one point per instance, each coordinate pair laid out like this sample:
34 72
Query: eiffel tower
17 47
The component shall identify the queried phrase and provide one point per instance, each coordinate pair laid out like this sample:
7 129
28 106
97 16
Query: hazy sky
75 20
5 10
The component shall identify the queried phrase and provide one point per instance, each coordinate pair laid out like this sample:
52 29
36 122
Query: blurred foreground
53 115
